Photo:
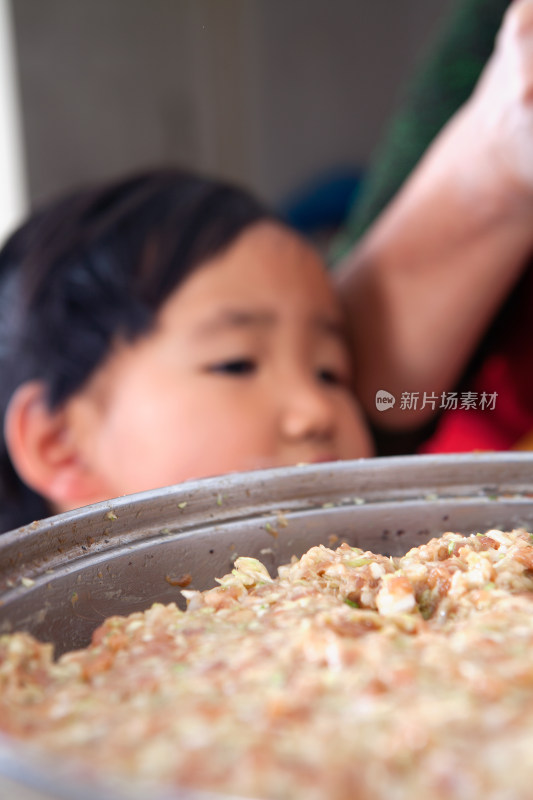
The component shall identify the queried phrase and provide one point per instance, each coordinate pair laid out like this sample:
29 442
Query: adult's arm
422 286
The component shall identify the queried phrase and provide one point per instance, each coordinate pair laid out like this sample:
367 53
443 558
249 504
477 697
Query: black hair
93 266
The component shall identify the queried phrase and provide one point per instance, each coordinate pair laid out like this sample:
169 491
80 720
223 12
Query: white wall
12 183
269 92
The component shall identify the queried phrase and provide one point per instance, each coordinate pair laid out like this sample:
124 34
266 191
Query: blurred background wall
267 92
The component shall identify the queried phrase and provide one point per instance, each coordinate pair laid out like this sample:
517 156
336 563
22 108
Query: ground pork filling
351 675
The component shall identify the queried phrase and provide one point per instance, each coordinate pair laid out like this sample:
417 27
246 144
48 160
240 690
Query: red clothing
508 371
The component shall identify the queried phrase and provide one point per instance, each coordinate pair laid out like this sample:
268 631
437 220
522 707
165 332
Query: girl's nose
308 411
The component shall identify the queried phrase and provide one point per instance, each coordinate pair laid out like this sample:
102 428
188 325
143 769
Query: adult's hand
500 112
424 284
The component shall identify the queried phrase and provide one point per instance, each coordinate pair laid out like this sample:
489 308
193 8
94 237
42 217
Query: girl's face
246 368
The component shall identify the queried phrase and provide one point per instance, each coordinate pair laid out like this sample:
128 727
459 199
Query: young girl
162 328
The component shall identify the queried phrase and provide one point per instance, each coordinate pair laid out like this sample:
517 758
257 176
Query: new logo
384 400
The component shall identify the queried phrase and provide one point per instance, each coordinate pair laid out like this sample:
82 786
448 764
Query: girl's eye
236 366
330 376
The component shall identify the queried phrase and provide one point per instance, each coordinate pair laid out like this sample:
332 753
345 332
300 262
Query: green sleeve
442 82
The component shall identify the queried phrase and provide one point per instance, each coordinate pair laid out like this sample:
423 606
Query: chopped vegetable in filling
350 675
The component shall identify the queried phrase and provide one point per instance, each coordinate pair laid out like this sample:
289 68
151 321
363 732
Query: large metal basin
59 578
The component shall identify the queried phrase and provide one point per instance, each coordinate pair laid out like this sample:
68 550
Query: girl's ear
44 453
